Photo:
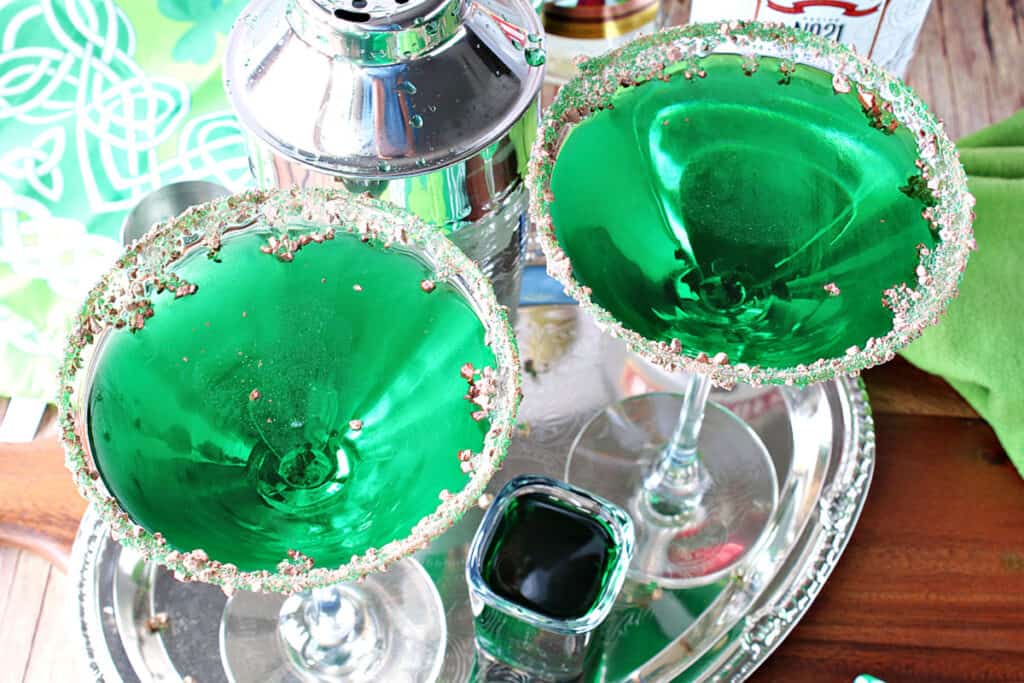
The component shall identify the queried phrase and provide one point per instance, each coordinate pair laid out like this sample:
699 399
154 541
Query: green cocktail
747 203
285 391
316 378
770 213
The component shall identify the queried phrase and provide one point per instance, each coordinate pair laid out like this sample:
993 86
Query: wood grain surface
931 588
35 621
39 506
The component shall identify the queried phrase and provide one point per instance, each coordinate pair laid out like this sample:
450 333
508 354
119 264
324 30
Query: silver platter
822 442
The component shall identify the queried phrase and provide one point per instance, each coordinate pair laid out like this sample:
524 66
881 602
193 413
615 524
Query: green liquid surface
549 558
181 442
717 210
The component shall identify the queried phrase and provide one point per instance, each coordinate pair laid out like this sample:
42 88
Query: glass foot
388 627
616 450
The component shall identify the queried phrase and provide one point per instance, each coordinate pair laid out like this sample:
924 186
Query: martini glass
290 393
739 202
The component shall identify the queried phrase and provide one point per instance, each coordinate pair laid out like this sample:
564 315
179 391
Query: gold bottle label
589 21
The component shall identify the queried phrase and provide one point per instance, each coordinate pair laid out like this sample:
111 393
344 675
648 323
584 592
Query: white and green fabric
101 102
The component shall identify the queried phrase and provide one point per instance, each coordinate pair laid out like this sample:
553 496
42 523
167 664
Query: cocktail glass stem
331 618
673 485
697 481
331 631
388 627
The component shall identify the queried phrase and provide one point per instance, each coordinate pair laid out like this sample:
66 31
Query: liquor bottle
883 30
588 28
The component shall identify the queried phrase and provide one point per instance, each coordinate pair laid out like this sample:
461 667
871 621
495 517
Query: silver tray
822 442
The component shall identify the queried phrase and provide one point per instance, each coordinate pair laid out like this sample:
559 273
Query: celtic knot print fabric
100 103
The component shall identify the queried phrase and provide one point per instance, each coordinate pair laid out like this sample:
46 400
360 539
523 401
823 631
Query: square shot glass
544 569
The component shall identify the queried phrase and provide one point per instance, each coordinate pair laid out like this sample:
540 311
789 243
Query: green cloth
101 102
977 345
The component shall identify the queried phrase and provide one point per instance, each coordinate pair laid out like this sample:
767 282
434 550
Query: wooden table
931 587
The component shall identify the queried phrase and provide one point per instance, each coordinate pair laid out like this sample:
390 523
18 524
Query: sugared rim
885 100
296 219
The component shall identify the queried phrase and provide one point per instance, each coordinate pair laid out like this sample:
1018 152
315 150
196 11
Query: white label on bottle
884 30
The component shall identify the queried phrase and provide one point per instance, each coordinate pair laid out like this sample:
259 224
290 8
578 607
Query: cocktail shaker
167 202
429 104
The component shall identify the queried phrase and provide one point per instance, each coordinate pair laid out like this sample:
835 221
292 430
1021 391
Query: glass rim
296 218
883 97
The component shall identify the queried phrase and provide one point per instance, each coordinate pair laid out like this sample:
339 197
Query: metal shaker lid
383 88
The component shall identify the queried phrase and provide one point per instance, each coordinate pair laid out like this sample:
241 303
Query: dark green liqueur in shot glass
544 569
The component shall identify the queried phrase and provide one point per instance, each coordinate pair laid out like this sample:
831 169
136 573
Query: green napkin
100 104
977 345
